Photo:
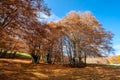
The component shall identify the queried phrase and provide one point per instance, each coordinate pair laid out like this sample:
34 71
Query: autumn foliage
70 40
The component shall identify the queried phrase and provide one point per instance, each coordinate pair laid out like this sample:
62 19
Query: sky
107 12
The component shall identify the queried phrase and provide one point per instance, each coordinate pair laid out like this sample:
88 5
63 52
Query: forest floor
15 69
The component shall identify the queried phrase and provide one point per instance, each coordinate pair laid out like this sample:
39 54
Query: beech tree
85 36
51 41
19 18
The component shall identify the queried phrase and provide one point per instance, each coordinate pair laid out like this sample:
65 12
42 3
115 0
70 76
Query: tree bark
35 58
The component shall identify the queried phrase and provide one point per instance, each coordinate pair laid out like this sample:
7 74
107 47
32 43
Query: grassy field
18 55
15 69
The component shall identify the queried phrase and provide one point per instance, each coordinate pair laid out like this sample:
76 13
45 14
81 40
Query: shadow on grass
26 71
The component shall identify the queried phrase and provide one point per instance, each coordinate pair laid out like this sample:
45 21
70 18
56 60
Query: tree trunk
49 55
70 54
35 58
85 57
49 58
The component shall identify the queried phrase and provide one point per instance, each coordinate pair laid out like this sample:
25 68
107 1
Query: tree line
69 40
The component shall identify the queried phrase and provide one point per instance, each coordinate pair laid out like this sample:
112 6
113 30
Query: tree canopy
19 16
75 36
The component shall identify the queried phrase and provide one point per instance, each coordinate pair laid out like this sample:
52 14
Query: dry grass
24 70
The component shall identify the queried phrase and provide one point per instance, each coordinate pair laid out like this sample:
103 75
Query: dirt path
24 70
